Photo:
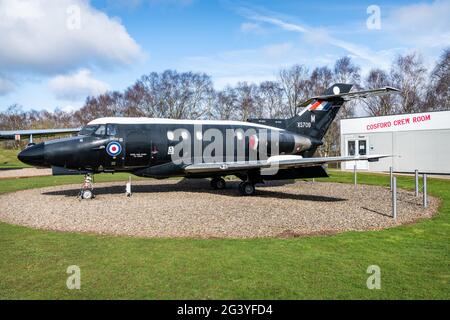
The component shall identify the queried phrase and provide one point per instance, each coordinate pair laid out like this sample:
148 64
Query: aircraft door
138 149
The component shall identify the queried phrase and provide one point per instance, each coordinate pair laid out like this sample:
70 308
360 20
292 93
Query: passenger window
100 131
111 129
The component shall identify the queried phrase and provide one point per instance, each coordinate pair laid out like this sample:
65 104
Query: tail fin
319 112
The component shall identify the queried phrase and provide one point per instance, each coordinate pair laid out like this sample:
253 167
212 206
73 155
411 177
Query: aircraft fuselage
149 147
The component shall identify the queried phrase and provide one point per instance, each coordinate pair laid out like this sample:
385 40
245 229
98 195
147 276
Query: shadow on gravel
377 212
199 186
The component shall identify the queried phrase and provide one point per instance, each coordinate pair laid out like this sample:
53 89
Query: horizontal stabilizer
359 94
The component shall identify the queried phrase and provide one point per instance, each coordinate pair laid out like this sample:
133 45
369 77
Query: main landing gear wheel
247 188
218 183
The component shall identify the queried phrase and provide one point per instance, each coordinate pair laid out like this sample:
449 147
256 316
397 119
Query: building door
357 147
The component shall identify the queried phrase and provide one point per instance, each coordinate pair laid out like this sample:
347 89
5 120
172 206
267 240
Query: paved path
23 173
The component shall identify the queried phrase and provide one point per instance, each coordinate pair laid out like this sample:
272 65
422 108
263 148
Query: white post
416 172
128 187
394 198
425 199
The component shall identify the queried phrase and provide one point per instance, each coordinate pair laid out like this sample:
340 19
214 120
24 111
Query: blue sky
56 53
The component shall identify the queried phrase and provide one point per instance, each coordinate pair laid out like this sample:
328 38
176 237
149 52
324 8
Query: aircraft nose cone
33 155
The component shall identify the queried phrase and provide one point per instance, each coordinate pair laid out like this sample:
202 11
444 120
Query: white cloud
277 50
422 25
50 37
70 108
176 2
280 23
6 86
250 27
76 86
254 65
323 45
136 3
319 35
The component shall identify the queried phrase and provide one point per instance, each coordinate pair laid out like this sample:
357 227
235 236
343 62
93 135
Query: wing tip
389 88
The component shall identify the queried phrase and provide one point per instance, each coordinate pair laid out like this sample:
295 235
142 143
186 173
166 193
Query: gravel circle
189 208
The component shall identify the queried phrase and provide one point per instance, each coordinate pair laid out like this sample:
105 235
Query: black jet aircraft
254 151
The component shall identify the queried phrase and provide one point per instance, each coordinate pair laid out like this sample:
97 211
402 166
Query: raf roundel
113 148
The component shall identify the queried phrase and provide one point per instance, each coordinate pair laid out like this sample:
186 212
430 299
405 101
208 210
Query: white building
416 141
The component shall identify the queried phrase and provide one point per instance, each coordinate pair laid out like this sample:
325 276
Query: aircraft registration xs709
254 151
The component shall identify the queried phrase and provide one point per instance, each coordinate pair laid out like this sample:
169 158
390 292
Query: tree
109 104
270 100
408 74
13 118
246 106
321 79
438 91
225 104
381 105
171 95
141 97
345 71
295 84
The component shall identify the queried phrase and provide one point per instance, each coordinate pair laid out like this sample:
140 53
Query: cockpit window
87 130
111 129
100 131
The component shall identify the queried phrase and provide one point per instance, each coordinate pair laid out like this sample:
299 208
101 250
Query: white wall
416 141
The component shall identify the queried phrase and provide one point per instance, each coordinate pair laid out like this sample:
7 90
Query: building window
362 148
351 148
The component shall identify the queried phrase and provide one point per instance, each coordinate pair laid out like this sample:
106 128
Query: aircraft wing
281 162
18 134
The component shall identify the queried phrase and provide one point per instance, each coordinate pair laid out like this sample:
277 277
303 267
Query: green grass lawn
414 260
8 159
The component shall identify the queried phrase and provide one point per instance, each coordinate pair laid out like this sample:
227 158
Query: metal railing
417 189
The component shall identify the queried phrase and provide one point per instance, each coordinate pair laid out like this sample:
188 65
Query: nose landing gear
87 189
